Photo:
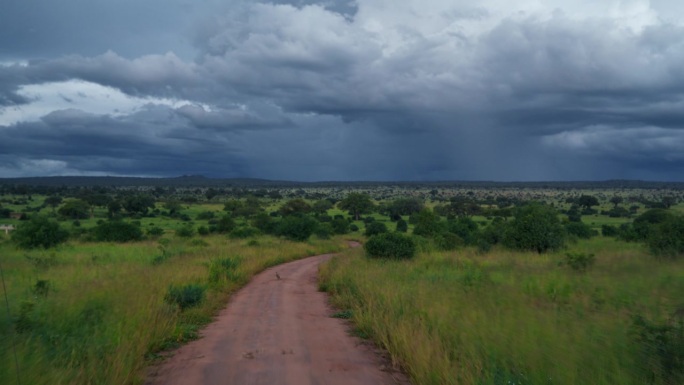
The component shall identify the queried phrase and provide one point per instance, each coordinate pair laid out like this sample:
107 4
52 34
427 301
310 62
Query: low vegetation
98 313
610 316
463 284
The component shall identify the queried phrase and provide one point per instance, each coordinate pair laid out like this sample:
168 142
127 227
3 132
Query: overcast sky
343 90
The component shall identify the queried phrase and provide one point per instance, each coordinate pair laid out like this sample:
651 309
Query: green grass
513 318
99 314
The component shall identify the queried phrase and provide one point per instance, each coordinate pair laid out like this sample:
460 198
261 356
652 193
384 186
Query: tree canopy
356 204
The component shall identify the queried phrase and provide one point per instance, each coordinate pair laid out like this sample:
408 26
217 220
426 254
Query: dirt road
277 331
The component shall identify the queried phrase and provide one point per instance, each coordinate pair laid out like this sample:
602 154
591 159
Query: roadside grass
516 318
95 313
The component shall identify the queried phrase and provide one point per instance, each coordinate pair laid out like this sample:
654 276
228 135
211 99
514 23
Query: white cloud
77 94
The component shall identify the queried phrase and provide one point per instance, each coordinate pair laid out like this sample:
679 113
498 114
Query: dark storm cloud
369 90
154 141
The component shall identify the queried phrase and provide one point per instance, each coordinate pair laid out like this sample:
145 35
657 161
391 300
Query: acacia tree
587 201
356 204
75 209
616 200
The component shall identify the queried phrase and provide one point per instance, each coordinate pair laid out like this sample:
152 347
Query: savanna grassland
510 317
98 313
462 284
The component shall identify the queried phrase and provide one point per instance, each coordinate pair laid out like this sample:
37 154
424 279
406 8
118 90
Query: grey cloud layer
334 92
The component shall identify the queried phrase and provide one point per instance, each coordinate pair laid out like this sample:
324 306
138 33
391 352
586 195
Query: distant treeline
202 181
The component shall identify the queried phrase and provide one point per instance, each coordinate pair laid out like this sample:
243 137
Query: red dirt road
277 331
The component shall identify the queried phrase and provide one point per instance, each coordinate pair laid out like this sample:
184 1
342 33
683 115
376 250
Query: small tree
356 204
295 207
616 200
587 201
427 223
75 209
535 227
39 232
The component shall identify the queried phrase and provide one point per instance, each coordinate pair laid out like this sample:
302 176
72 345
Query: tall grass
89 313
517 318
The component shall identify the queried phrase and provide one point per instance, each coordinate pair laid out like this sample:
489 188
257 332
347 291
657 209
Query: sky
336 90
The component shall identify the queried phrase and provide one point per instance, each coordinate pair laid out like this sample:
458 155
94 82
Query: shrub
466 229
579 262
609 231
203 230
579 229
447 241
205 215
244 232
324 231
427 223
668 239
225 224
296 228
646 224
402 226
353 227
117 231
340 226
390 245
39 232
186 231
155 231
185 296
535 227
375 228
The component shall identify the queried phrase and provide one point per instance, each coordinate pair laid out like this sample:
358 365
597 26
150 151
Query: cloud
375 89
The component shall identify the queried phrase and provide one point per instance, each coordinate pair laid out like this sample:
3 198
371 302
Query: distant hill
202 181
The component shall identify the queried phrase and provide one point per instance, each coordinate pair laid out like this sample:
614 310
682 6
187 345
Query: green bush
324 231
341 226
668 239
185 296
536 227
579 262
205 215
609 231
465 228
186 231
447 241
155 231
579 229
402 226
390 245
375 228
296 228
117 231
244 232
39 232
224 225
